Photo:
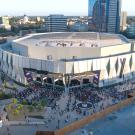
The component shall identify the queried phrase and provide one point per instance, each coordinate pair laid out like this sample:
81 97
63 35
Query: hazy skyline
46 7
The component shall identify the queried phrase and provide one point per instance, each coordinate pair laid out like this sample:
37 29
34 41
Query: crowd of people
65 105
84 94
87 94
39 93
103 97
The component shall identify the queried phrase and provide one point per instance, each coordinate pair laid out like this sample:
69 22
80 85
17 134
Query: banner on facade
96 77
28 75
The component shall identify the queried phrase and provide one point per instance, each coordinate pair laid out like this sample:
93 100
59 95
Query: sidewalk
23 123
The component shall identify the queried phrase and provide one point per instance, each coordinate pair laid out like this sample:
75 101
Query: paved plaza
118 123
21 130
121 122
61 109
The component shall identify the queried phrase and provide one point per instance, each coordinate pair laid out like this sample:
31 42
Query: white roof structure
72 39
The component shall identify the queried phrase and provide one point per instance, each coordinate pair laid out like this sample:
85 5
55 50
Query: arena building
69 59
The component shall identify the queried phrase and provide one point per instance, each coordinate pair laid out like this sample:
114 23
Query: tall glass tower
104 15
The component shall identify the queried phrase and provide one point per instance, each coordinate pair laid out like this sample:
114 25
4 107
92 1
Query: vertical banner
122 61
96 77
28 75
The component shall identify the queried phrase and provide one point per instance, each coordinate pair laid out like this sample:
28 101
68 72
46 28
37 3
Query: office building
104 15
4 22
57 23
123 21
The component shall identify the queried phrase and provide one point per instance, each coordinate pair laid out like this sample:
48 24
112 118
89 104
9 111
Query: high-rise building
104 15
123 21
57 23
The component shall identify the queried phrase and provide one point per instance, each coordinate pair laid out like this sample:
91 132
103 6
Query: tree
9 106
3 30
16 112
34 104
14 101
14 86
13 20
24 102
43 103
5 84
20 107
30 108
39 107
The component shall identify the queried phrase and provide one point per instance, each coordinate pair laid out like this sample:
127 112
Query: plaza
118 123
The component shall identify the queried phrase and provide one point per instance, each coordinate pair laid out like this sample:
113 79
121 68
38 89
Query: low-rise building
131 31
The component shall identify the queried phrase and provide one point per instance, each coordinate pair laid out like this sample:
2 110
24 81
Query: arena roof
72 39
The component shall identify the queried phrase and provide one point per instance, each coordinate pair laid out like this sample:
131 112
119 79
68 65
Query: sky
46 7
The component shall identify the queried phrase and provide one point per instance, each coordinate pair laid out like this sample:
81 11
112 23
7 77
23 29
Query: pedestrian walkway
118 123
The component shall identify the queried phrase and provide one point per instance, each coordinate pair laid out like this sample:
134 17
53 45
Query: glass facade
57 23
104 15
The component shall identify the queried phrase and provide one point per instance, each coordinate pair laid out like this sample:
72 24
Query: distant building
38 19
70 22
24 20
25 32
4 22
57 23
104 15
79 27
123 21
131 31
